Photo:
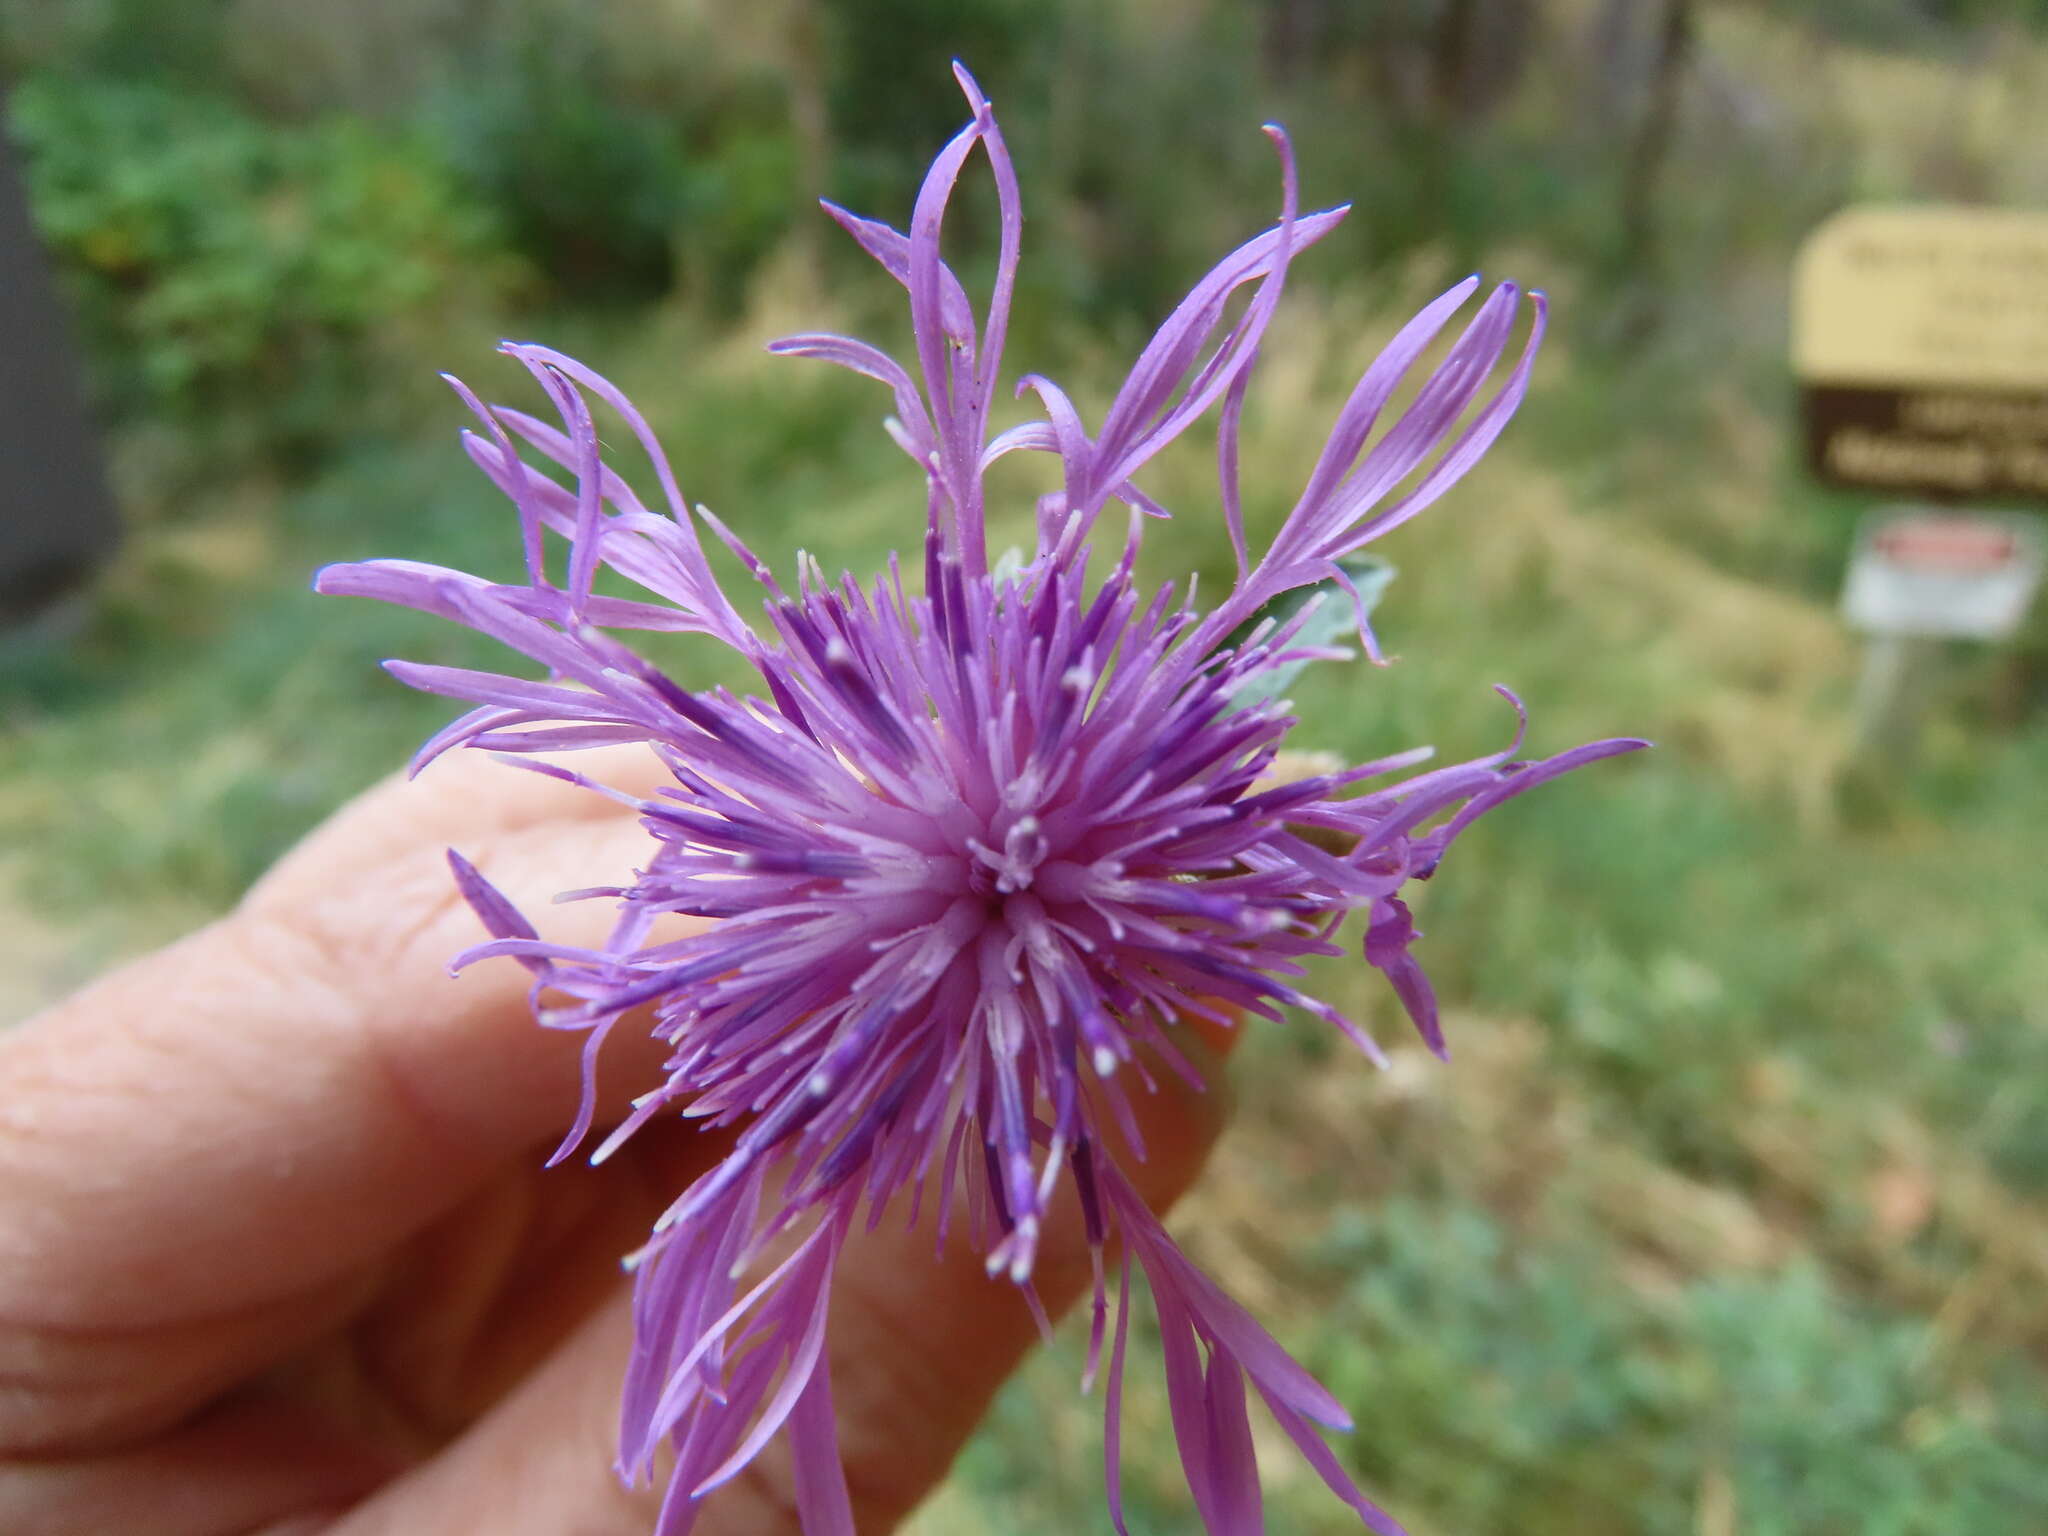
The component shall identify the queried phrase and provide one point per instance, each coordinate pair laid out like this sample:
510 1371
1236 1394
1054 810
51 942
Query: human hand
278 1254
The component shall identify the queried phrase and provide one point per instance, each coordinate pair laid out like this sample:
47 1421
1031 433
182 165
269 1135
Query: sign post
1920 340
1919 576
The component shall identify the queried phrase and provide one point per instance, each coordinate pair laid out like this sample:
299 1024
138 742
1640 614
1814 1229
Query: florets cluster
977 845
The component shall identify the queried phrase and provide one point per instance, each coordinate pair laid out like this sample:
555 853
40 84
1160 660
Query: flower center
1005 868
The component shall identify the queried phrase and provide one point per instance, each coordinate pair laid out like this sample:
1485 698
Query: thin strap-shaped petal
1469 448
1068 434
1374 388
892 250
1113 1401
616 398
1175 346
566 739
1387 938
1234 1464
1361 612
1268 1364
1027 437
803 1360
1010 229
870 362
1182 1354
1316 1452
1135 428
459 732
537 359
823 1502
408 583
949 386
1525 779
1429 418
510 692
493 909
1226 470
511 477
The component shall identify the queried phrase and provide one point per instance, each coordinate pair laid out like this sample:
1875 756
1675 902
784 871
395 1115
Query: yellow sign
1920 339
1898 296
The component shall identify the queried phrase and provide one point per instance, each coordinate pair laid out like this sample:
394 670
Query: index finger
457 799
284 1094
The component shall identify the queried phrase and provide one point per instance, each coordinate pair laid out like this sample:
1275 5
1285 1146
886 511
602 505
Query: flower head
974 847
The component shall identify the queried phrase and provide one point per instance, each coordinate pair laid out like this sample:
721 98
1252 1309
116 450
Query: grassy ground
1731 1213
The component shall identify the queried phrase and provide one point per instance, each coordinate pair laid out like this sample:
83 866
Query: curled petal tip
976 98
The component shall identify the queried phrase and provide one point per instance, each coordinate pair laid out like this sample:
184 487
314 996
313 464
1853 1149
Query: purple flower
975 847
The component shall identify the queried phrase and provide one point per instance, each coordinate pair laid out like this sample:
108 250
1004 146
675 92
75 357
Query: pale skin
278 1256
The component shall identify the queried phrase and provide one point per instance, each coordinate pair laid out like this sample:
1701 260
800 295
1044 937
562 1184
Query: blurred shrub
891 104
622 164
1502 1386
1827 1418
588 182
235 278
1491 1379
131 39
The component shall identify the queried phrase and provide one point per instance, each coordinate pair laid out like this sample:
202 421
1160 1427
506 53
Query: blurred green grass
1731 1212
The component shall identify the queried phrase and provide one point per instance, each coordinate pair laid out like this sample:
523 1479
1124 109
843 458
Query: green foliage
1484 1381
132 40
1829 1418
890 135
1494 1376
1916 25
235 278
591 183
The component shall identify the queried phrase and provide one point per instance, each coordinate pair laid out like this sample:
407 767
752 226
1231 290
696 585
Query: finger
246 1465
919 1346
232 1116
203 1158
472 1306
538 1464
460 798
